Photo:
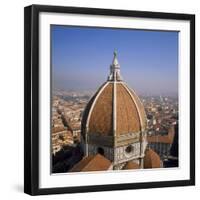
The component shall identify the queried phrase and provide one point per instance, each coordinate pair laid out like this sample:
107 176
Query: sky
81 57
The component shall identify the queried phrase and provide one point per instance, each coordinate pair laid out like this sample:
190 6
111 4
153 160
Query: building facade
161 144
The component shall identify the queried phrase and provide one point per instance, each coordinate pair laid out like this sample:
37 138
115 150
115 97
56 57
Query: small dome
151 159
131 165
92 163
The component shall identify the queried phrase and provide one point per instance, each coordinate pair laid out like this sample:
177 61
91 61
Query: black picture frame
31 98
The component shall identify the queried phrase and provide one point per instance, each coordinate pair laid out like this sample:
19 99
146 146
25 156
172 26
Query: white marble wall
122 156
108 152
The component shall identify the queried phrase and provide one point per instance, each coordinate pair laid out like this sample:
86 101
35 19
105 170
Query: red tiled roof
167 139
92 163
57 129
151 159
159 139
131 165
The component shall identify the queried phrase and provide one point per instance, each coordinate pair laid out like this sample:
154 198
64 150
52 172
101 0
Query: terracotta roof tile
160 139
151 159
92 163
127 114
131 165
86 112
141 108
58 129
101 117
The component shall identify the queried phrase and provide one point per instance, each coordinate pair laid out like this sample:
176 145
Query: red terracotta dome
151 159
131 165
114 109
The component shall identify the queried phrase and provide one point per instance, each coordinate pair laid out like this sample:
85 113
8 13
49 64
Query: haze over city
81 58
85 58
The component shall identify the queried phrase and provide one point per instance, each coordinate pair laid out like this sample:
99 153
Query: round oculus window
129 149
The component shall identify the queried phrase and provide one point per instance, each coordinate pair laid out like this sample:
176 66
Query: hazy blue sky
81 58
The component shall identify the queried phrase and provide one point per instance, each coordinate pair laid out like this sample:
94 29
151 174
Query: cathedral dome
115 109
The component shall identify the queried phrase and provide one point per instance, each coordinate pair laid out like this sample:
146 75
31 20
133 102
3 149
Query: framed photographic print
109 100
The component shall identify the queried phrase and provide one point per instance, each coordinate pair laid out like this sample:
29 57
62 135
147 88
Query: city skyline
81 58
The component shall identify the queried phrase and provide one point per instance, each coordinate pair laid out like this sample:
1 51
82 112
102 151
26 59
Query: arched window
100 150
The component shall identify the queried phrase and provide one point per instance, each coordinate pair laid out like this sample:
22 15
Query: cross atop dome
115 69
